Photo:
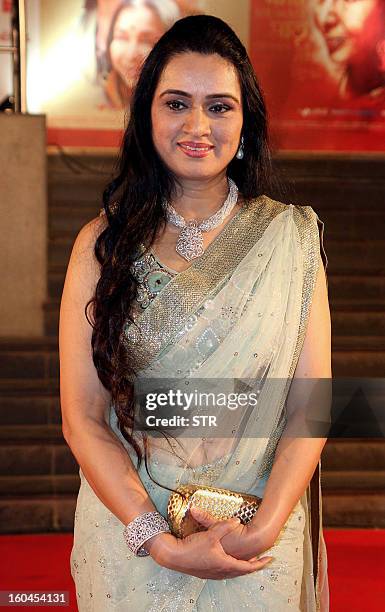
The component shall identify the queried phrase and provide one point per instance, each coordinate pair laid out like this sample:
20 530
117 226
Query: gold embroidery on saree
169 311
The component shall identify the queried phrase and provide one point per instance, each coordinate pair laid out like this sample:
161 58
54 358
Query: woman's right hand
201 554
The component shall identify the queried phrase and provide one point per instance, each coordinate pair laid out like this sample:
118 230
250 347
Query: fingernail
266 560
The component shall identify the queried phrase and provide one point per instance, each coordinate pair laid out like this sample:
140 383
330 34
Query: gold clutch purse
220 503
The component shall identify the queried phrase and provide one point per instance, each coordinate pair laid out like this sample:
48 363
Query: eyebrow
178 92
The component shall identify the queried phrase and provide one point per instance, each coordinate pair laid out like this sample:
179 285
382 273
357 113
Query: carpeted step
352 363
363 321
31 359
42 484
358 224
27 459
353 509
40 406
22 433
341 480
66 221
35 514
353 455
356 287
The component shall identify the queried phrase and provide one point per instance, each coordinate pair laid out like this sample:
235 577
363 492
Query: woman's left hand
245 542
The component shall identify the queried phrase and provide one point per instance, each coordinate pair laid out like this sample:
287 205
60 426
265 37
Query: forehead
192 72
134 17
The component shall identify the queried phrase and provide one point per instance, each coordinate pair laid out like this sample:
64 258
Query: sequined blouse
152 276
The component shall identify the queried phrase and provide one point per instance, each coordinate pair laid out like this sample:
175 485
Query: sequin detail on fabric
306 223
187 290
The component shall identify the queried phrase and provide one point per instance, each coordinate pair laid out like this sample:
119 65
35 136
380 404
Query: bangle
141 529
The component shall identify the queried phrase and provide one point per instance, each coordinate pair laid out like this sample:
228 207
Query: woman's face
135 32
351 28
197 103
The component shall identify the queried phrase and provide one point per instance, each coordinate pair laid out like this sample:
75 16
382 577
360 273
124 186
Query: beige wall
23 213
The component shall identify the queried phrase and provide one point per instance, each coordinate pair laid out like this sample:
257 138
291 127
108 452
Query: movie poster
321 64
5 58
90 52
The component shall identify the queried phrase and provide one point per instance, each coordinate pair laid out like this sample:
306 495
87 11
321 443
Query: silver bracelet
141 529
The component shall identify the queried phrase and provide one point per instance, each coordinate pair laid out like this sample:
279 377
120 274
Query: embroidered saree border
311 235
304 218
310 229
170 310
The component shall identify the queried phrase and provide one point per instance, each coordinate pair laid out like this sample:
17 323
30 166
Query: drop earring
240 152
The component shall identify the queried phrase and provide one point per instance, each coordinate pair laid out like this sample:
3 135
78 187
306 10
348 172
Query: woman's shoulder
302 212
309 225
92 229
83 249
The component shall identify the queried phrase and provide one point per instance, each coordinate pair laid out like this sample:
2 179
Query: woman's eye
222 107
173 102
177 105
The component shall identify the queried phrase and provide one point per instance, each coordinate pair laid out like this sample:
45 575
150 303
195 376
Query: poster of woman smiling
322 66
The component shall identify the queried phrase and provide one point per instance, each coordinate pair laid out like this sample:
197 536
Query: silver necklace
190 240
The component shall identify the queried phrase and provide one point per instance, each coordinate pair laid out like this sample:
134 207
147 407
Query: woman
135 27
224 301
353 34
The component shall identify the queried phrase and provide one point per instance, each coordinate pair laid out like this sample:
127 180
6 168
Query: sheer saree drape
239 312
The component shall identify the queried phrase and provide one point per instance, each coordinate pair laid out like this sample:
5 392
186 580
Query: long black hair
133 199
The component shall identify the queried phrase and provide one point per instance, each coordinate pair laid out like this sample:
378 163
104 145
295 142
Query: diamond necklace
190 240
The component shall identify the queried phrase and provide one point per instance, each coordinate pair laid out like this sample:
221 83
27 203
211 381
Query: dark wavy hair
133 199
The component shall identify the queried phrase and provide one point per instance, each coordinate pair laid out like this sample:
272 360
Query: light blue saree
238 312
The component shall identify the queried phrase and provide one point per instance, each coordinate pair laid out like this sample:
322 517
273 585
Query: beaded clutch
220 503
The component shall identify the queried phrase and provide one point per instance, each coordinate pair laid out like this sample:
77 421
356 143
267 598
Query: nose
129 51
197 122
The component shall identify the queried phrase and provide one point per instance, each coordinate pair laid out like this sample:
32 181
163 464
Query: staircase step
363 255
358 224
350 363
25 459
363 323
66 221
353 455
339 480
356 287
358 343
15 486
12 386
33 409
32 434
358 305
32 359
350 509
33 514
86 190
